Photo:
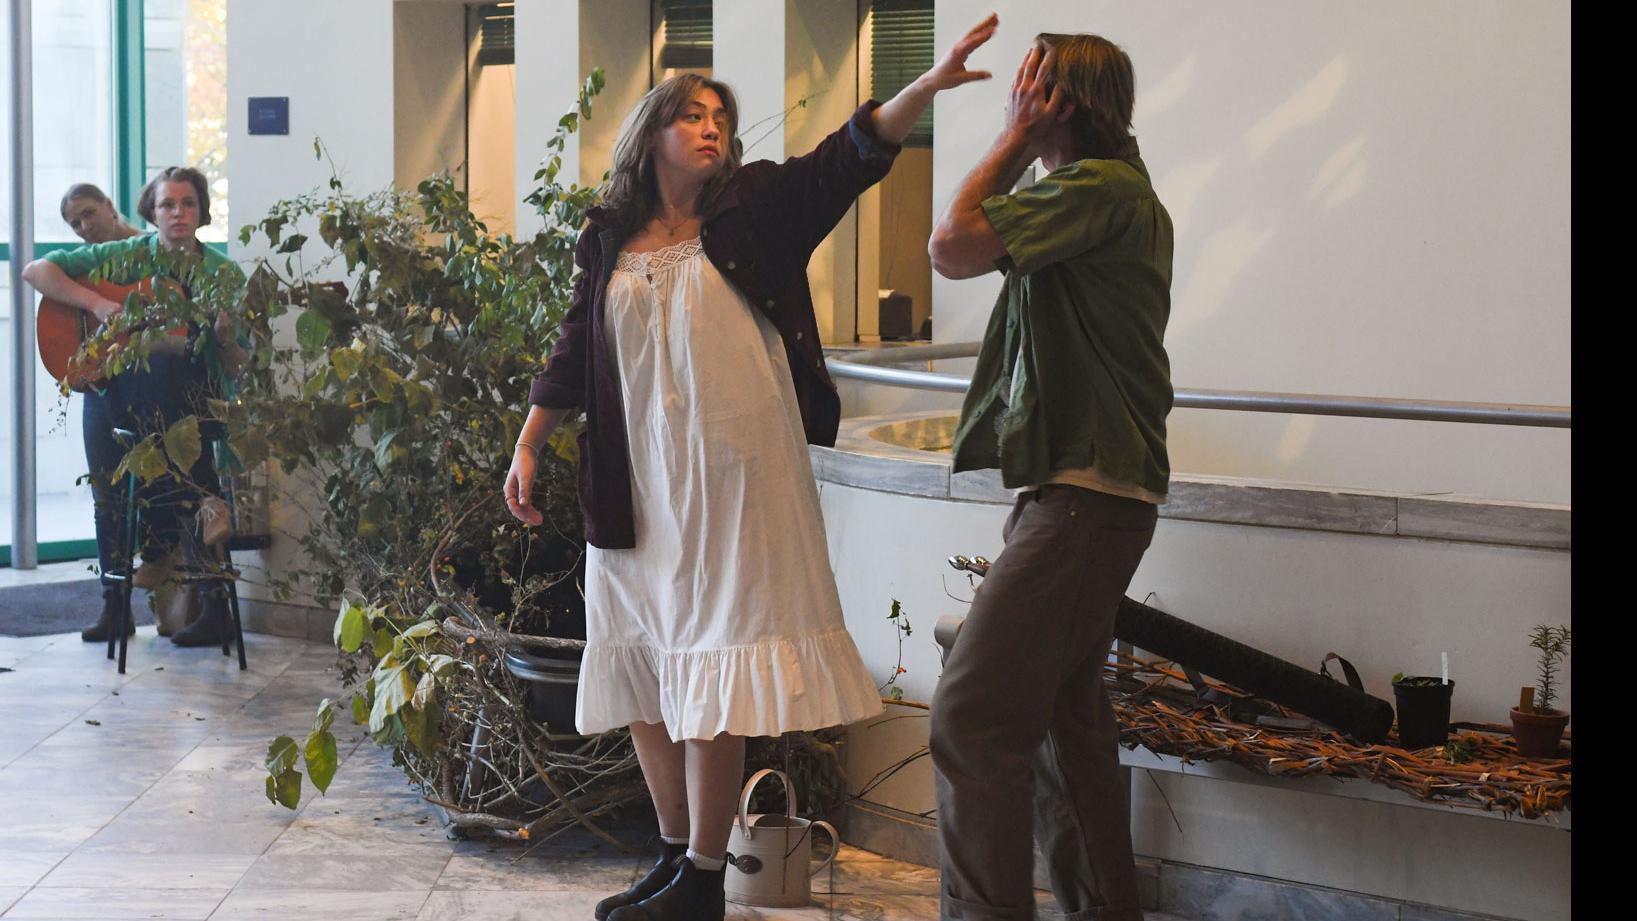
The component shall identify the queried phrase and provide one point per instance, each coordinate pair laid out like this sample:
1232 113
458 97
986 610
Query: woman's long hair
631 196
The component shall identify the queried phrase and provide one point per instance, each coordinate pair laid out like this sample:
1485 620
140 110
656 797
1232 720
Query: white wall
821 67
748 55
1386 604
429 90
341 91
617 39
548 75
491 149
1369 199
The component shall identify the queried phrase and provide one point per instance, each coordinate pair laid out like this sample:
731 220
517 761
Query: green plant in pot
1536 724
1423 710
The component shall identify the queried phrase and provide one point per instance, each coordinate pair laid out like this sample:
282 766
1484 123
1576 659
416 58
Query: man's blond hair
1097 75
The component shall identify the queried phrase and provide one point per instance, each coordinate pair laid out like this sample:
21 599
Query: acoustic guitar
63 331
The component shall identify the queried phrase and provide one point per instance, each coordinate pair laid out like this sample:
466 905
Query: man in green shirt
179 375
1068 400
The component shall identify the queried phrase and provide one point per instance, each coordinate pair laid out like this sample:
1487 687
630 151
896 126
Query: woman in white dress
712 613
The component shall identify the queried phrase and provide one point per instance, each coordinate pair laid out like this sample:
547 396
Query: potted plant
1423 709
1535 724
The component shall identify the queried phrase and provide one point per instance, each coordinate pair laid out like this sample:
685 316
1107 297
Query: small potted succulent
1535 724
1423 710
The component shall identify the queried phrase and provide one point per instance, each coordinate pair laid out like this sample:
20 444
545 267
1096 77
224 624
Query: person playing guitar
174 384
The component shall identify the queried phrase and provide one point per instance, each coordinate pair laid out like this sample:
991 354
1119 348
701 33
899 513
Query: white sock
681 840
705 863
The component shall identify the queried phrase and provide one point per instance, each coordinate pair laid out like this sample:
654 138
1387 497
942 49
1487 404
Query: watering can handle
750 787
835 845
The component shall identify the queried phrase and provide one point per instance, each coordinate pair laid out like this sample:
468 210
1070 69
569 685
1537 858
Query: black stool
190 575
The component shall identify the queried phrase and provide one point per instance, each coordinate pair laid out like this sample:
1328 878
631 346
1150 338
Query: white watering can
773 854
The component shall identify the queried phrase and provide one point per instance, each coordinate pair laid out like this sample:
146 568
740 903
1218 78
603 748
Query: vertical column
748 54
820 93
616 35
817 62
24 552
548 81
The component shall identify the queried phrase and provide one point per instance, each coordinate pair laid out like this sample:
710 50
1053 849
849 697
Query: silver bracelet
523 444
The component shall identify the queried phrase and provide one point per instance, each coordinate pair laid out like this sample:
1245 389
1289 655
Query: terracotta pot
1538 733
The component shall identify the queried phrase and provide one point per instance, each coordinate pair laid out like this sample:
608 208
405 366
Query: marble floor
140 796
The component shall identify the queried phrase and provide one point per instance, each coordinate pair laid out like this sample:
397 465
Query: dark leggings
146 402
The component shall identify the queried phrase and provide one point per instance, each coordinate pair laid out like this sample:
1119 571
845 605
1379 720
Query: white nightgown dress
724 617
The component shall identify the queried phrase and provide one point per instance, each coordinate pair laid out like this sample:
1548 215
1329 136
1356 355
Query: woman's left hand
950 71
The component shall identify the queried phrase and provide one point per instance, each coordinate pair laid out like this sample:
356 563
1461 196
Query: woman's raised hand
894 119
950 71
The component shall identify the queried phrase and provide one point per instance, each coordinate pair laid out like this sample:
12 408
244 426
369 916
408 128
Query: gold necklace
671 229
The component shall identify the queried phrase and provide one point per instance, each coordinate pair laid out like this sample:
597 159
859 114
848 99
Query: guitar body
62 330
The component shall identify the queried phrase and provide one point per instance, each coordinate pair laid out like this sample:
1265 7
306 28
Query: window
73 109
901 50
184 100
122 88
497 34
684 37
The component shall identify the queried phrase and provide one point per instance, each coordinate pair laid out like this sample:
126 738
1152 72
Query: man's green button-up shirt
1072 374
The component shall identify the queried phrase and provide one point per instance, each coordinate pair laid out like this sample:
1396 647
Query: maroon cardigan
759 233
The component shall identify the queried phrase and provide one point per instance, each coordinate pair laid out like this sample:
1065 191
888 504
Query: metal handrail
873 367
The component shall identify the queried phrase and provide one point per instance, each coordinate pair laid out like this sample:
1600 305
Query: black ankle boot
692 895
661 873
98 632
211 629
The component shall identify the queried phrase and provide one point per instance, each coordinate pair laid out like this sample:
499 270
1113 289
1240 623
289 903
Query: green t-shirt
1073 372
134 258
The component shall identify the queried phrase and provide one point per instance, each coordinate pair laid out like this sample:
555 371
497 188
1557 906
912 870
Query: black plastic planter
1423 711
553 686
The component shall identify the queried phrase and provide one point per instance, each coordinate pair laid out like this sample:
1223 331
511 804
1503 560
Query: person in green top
1068 400
90 214
176 381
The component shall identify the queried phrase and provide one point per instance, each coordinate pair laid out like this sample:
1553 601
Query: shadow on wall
1339 230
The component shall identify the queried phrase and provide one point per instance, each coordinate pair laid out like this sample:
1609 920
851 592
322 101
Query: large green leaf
439 664
325 718
426 691
281 755
312 330
182 442
393 688
345 362
423 728
321 759
350 627
250 446
421 630
285 789
384 381
145 461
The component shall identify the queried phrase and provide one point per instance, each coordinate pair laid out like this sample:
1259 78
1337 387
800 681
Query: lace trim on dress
663 258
